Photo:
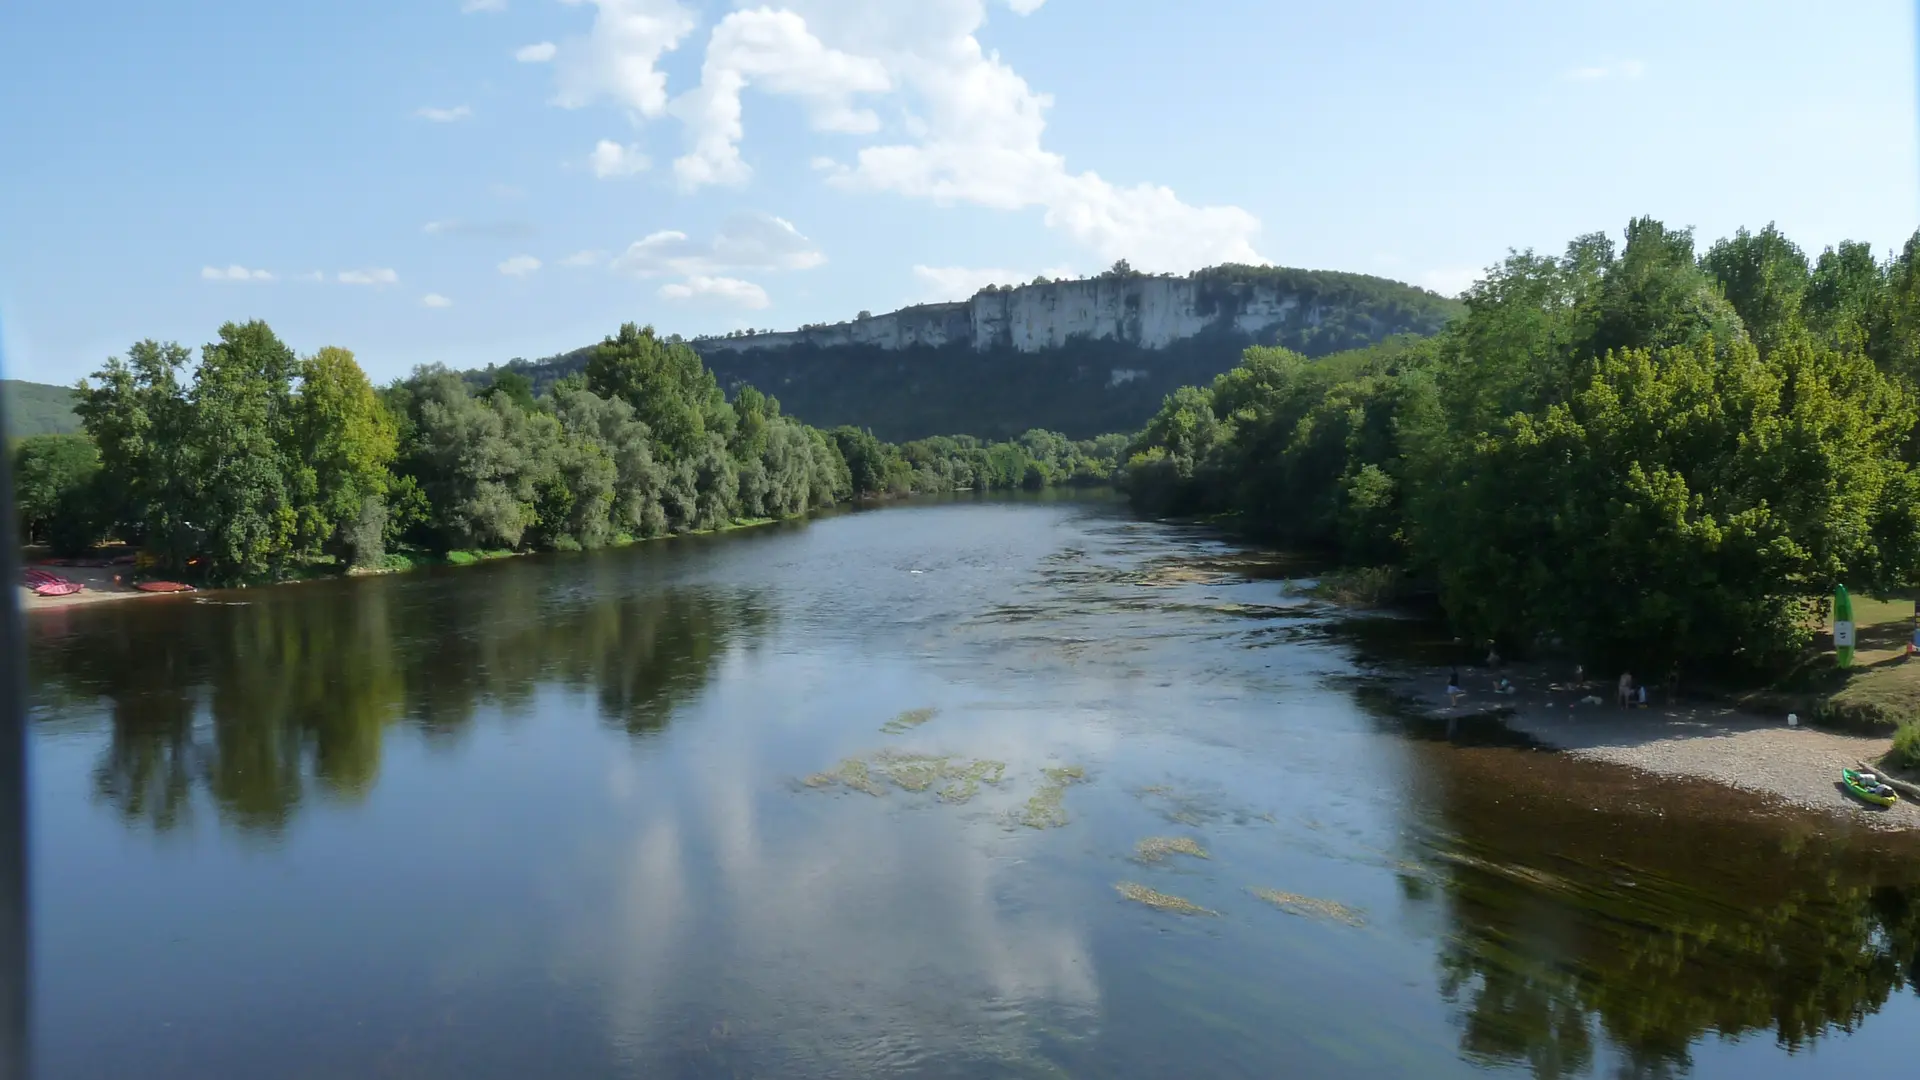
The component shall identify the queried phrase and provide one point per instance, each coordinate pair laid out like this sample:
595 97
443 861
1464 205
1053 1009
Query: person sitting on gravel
1503 686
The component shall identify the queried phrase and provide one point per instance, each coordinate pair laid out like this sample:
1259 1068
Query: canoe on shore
45 583
1867 787
163 586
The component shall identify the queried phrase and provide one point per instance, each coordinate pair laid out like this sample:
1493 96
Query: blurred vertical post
13 787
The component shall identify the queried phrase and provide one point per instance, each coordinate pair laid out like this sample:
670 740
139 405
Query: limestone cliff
1150 313
1079 357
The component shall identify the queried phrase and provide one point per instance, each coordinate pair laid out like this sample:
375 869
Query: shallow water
547 817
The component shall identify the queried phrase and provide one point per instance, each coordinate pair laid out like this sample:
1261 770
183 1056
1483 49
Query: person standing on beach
1453 688
1626 690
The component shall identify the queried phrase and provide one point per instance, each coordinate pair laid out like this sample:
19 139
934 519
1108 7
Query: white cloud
520 266
976 137
744 242
584 258
471 6
774 50
972 129
371 276
235 272
610 160
537 53
944 283
733 291
444 116
616 59
311 275
435 300
1625 69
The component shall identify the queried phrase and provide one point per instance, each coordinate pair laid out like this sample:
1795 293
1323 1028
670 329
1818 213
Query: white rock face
1151 312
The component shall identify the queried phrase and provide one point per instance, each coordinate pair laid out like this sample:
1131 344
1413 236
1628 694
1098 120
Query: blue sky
465 181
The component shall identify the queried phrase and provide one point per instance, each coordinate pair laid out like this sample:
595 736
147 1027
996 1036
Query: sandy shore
1701 741
100 588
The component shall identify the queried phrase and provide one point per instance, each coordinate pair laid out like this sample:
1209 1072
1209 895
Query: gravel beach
1796 765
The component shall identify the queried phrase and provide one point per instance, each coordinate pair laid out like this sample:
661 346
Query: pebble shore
1799 766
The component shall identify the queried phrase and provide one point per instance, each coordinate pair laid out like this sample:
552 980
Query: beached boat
47 583
1867 787
163 586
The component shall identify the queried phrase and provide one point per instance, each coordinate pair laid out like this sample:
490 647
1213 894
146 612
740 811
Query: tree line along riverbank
1634 455
253 463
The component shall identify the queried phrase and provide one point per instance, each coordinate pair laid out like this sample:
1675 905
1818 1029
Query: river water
586 816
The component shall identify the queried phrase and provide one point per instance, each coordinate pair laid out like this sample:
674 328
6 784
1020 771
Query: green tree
670 390
1765 277
345 442
248 489
55 491
138 415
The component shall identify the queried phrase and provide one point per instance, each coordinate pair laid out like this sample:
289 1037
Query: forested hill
1080 357
37 409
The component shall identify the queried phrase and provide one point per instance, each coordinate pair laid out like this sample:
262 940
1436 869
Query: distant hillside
37 408
1080 357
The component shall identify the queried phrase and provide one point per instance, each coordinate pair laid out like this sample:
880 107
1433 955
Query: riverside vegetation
1639 454
257 463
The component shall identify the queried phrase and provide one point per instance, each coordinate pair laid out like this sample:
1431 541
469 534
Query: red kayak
45 583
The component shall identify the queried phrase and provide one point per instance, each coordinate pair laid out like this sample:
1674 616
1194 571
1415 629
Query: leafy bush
1906 745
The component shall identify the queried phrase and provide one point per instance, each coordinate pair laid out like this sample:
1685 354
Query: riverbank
1685 741
103 584
106 584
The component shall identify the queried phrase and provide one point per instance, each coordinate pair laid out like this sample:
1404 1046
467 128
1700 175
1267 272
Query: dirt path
1798 765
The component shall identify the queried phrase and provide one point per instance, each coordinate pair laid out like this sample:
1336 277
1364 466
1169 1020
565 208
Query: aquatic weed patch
1044 809
958 779
1156 849
909 720
851 773
1160 901
1312 907
965 780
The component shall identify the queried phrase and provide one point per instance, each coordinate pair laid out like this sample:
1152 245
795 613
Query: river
588 816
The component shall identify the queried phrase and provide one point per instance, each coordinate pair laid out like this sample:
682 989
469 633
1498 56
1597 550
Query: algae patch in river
909 720
962 777
1044 809
852 773
1157 848
1159 901
1313 907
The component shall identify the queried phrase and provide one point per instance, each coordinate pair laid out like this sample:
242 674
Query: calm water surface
550 817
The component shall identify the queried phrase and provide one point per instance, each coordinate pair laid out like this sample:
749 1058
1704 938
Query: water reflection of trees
289 696
1572 929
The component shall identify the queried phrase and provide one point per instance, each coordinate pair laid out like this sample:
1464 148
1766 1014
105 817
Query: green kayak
1865 785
